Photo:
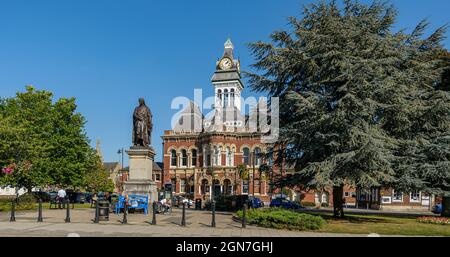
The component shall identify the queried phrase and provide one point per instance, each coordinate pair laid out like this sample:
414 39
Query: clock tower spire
227 79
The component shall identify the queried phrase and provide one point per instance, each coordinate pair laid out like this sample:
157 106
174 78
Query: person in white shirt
61 196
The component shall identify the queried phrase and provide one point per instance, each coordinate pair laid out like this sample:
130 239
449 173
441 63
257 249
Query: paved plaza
198 224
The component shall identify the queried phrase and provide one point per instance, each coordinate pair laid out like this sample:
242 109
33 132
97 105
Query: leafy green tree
44 141
97 178
349 89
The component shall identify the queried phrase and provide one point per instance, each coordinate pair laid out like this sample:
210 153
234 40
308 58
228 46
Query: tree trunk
445 206
338 208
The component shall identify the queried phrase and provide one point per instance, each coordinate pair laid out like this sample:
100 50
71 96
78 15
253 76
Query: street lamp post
121 152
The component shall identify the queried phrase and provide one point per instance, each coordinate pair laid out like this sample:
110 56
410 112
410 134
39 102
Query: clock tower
227 80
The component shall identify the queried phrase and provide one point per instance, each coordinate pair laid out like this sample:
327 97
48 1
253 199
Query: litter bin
103 210
198 204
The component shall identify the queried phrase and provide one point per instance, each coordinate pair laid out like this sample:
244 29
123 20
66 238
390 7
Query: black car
76 197
45 196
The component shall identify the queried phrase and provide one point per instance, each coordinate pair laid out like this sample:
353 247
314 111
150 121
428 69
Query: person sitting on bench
166 205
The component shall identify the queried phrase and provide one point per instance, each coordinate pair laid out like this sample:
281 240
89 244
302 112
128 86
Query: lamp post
122 179
121 152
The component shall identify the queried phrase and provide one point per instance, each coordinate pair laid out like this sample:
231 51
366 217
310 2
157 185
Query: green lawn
6 206
383 225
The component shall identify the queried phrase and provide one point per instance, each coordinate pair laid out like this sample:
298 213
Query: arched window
194 158
270 157
225 98
183 158
246 156
232 97
229 156
173 158
208 157
257 157
216 156
219 96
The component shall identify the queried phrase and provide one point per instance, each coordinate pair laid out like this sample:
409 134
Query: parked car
284 203
45 196
88 197
53 195
437 209
76 197
255 202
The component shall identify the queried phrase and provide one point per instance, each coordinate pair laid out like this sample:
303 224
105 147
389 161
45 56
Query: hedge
26 202
283 219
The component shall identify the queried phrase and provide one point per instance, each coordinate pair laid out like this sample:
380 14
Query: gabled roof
110 165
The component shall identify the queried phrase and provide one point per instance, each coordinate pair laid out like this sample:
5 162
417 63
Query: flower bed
434 220
283 219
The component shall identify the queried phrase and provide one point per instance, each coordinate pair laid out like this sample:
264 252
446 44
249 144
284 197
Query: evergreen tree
349 90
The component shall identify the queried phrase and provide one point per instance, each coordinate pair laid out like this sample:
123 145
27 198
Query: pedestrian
61 196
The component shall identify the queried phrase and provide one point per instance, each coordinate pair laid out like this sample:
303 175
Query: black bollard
213 208
97 213
183 217
244 217
13 211
39 219
67 220
125 213
154 213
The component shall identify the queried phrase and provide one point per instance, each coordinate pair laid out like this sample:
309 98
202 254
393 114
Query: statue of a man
142 125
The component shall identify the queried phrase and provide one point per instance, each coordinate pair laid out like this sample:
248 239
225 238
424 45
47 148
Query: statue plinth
140 176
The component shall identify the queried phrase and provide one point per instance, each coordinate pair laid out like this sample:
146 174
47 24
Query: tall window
216 156
246 157
174 183
245 186
225 98
208 157
270 157
182 185
232 97
229 156
173 158
194 158
257 157
219 96
183 158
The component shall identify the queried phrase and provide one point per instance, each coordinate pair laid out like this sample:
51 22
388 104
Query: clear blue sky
109 53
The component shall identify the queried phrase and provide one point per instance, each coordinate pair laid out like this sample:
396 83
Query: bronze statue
142 125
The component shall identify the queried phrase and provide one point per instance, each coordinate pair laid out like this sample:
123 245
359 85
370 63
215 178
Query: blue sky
109 53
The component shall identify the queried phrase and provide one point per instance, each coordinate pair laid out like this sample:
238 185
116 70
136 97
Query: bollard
125 213
213 208
67 220
13 211
244 218
97 213
40 210
154 213
183 217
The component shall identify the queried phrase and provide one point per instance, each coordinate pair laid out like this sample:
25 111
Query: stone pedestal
140 180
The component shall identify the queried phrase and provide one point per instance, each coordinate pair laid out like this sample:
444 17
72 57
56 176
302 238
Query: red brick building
202 154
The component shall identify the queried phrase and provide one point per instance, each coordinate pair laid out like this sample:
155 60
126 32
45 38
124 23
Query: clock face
226 64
